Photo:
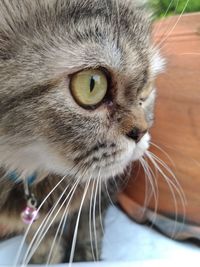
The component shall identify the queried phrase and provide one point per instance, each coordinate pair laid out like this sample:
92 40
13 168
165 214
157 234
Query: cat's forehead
66 36
75 21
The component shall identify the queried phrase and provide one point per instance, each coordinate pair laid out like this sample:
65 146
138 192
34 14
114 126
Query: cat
76 104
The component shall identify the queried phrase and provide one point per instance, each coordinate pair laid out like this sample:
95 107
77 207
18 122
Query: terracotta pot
176 135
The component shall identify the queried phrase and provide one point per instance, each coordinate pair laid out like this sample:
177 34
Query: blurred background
164 8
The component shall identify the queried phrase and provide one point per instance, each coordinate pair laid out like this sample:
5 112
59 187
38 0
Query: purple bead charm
29 215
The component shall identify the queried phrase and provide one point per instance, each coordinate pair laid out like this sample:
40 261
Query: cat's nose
136 134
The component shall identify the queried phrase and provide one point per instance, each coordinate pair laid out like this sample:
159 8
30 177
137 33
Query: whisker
29 226
152 179
154 186
39 236
100 208
172 187
164 165
176 150
90 221
172 29
94 217
61 225
46 217
189 54
164 152
61 229
172 192
107 192
77 223
116 185
166 12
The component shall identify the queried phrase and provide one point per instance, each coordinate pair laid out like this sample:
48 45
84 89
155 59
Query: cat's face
76 83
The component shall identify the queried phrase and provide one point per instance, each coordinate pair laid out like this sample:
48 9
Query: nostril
136 134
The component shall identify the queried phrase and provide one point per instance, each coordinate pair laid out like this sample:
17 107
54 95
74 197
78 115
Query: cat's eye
89 87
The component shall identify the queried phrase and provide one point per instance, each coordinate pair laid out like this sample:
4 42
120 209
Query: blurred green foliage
172 7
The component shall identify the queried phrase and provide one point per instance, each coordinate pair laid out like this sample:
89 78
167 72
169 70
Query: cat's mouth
108 160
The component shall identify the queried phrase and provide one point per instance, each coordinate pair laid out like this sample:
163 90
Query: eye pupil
92 84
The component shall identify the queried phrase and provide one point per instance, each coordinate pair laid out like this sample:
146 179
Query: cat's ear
157 62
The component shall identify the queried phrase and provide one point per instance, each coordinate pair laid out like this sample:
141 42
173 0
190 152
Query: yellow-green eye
89 87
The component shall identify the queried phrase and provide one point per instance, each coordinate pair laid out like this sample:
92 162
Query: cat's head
76 86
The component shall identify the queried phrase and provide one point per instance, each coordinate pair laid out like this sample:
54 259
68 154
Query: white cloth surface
126 240
126 244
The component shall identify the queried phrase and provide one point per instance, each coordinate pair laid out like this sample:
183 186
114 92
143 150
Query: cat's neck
16 177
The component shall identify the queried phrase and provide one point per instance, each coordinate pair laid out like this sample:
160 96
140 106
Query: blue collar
15 178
